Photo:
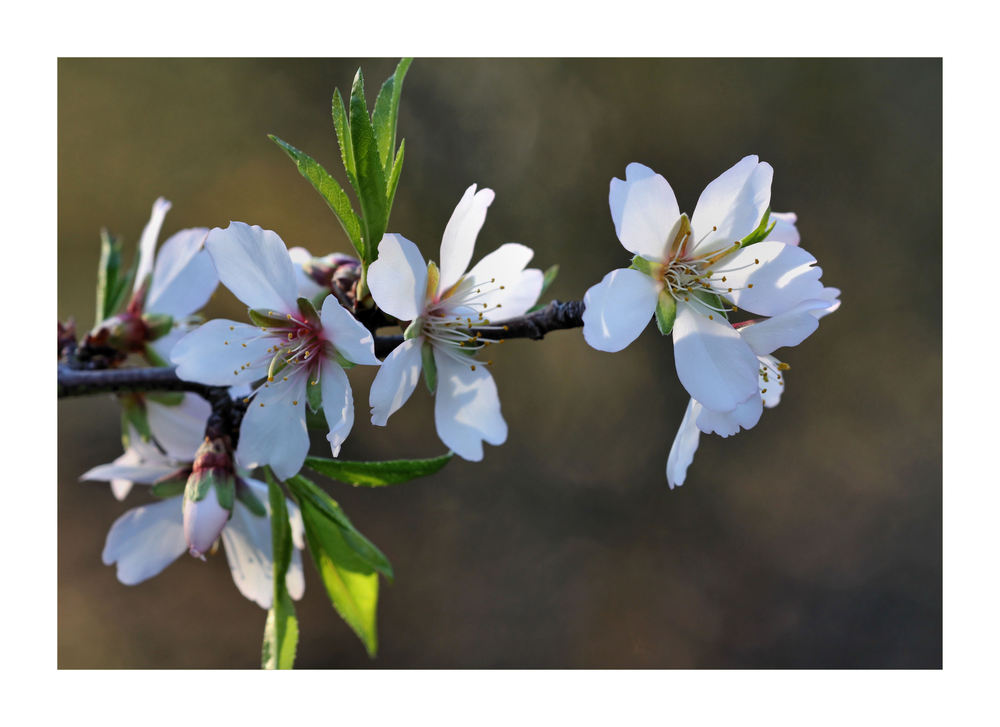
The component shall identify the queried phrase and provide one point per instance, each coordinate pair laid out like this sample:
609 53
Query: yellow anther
289 336
711 317
473 367
484 305
262 403
235 372
783 367
270 378
288 316
506 328
284 378
723 278
756 261
246 401
750 285
763 391
295 402
244 345
232 328
226 342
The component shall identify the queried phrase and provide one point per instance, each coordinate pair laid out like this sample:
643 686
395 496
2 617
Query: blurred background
813 540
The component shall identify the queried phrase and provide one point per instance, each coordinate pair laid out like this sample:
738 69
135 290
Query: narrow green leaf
371 179
666 312
377 474
350 582
382 124
397 90
112 281
305 489
429 366
245 495
134 415
281 630
152 356
547 279
329 189
762 231
167 398
397 169
343 129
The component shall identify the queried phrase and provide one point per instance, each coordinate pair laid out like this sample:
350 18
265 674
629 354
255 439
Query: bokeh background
813 540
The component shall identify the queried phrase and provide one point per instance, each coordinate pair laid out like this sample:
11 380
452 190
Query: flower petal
223 353
832 298
784 228
294 577
255 266
508 289
772 389
733 204
684 446
273 431
769 278
184 276
395 380
338 403
147 241
466 407
346 333
307 287
644 210
145 540
787 329
725 424
398 278
460 234
618 308
179 429
713 362
247 542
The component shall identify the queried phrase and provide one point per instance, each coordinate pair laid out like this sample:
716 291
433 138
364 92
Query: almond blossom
448 310
293 355
764 337
692 272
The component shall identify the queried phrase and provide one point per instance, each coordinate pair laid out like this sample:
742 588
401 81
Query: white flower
176 281
295 351
147 539
763 337
448 310
692 269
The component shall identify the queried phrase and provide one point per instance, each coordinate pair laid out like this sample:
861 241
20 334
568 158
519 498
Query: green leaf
371 179
350 582
377 474
362 547
397 89
397 169
153 357
134 414
763 230
328 188
343 129
281 630
166 398
385 116
547 279
245 495
429 367
666 311
112 282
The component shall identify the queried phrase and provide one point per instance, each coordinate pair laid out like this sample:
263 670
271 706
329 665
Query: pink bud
204 521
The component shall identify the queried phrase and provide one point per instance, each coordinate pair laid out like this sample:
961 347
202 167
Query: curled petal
184 276
398 278
254 264
338 403
644 210
617 309
466 407
147 241
684 446
725 424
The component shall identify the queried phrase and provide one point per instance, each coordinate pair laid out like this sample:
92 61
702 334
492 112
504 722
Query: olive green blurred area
812 540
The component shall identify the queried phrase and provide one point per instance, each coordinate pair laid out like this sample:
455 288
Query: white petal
733 203
121 488
338 404
147 241
832 298
184 276
395 380
771 389
398 278
466 407
769 278
618 308
145 540
273 431
247 541
644 210
144 474
223 353
254 265
307 287
787 329
460 234
344 331
725 424
713 362
164 346
784 228
504 281
294 578
684 446
179 429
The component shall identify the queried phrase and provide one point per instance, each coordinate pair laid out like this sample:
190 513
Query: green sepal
200 483
267 318
134 414
281 630
318 299
245 495
334 195
314 392
342 126
712 301
646 267
112 282
166 398
413 330
371 188
309 313
171 485
763 230
547 278
377 474
429 367
153 356
158 324
666 312
343 362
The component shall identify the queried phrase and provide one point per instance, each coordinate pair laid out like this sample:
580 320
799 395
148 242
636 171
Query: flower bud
335 271
208 495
